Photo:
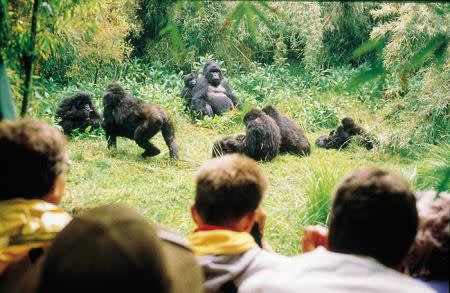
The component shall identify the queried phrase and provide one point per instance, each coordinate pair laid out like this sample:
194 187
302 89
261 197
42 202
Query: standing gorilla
211 94
261 141
126 116
189 82
340 137
77 111
293 139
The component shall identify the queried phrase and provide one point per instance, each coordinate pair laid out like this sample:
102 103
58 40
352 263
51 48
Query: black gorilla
293 139
211 94
189 82
340 137
261 141
126 116
77 111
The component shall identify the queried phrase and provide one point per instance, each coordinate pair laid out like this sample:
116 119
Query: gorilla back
126 116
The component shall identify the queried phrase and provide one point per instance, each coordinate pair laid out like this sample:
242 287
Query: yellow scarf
27 224
220 242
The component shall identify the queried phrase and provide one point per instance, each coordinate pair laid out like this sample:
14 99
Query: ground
163 190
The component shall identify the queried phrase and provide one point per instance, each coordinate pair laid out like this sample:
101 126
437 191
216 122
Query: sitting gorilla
126 116
261 140
189 82
293 139
340 137
77 111
211 94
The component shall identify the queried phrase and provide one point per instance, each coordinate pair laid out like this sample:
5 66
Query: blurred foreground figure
427 259
373 222
33 164
114 249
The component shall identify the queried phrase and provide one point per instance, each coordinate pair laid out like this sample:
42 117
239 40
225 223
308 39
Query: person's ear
246 223
195 216
55 194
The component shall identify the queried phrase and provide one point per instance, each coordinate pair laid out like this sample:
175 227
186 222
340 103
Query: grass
300 188
163 190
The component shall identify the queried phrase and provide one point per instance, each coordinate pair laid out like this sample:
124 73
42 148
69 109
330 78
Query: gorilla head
212 73
190 80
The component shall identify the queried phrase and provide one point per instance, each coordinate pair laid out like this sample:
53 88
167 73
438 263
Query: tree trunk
28 59
97 68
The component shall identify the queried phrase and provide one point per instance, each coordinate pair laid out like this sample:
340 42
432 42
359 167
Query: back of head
271 111
374 214
34 154
228 188
428 256
106 249
252 115
114 93
348 123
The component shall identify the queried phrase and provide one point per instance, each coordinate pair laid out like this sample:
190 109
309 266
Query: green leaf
420 57
250 23
365 76
7 110
261 16
368 46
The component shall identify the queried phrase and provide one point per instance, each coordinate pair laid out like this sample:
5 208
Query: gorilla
293 139
126 116
340 137
77 111
261 141
189 82
211 94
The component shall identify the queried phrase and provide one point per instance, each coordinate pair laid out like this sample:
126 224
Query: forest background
386 65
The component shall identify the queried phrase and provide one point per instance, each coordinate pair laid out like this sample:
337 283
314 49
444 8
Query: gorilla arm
199 95
231 95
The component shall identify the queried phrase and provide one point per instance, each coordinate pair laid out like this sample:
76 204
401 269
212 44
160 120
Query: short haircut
374 214
228 188
428 256
106 249
34 156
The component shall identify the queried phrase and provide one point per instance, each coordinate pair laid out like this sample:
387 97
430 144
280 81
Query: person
227 207
33 172
373 222
113 248
427 259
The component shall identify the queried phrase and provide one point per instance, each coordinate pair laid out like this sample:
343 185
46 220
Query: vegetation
386 65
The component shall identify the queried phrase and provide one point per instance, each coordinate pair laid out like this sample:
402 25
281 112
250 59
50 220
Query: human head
34 160
228 189
428 256
373 214
106 249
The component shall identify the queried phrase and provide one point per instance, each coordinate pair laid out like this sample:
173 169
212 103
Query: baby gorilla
293 139
126 116
189 82
78 112
340 137
261 141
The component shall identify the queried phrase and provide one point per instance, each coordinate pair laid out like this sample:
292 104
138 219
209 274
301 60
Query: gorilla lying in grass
211 94
126 116
261 140
293 139
78 112
343 134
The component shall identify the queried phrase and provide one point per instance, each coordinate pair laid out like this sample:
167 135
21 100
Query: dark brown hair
32 156
228 188
374 214
428 256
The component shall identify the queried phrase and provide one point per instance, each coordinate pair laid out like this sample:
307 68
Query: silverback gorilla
126 116
211 94
340 137
77 111
261 140
293 139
